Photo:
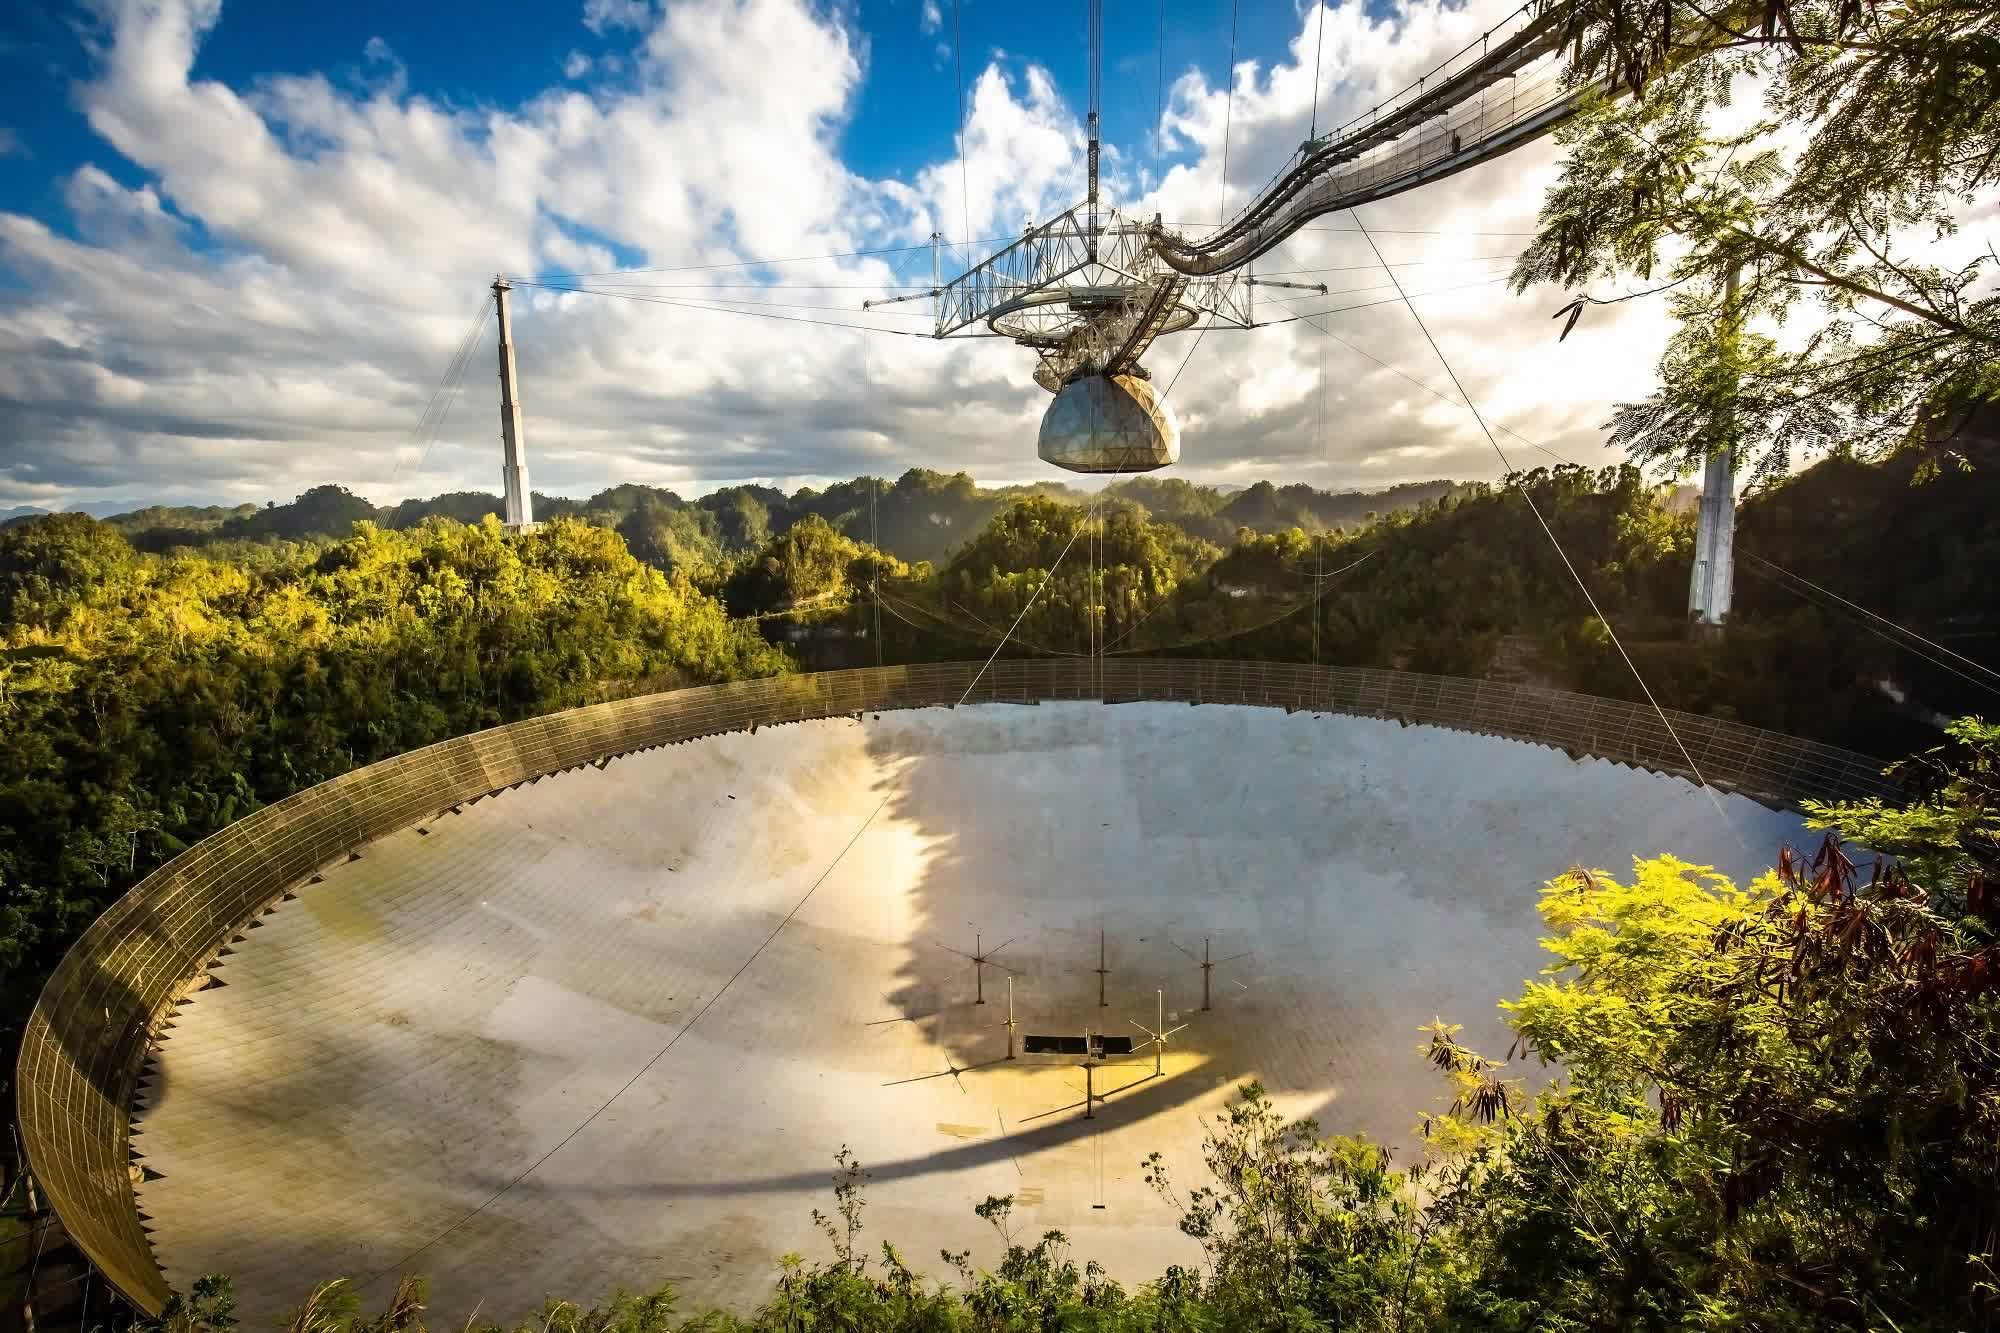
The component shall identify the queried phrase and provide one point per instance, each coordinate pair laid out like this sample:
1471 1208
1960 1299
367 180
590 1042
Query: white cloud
932 17
273 308
576 65
602 16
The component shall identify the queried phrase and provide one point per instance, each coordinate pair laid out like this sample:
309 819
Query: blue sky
242 243
472 54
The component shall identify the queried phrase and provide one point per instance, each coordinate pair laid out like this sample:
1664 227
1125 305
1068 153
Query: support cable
1228 113
1399 263
1318 44
1160 94
1988 685
1433 391
740 302
1323 451
1549 532
920 289
1034 597
1219 637
1387 300
404 1264
765 263
1391 231
724 309
447 384
1189 357
964 146
942 624
1901 629
1771 564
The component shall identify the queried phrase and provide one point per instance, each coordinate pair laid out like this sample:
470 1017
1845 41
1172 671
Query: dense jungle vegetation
1778 1110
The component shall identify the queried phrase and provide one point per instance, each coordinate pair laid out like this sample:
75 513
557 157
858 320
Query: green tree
147 701
1777 1103
1748 229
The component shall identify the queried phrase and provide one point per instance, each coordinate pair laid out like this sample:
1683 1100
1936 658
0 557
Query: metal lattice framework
1090 290
86 1043
1089 293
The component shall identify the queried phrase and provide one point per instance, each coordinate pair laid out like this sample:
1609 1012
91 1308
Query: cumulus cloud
932 17
274 305
602 16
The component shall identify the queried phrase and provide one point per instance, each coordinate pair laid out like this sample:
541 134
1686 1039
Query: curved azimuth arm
1514 85
1506 89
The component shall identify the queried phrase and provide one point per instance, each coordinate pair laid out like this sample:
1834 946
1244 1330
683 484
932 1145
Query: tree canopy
146 701
1795 238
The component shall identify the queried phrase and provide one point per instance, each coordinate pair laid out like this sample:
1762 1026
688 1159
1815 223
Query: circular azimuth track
591 999
1049 319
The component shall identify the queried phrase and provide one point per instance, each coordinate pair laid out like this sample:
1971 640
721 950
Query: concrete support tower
520 505
1714 546
1713 579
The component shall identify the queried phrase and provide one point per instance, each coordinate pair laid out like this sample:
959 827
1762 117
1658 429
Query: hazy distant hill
922 515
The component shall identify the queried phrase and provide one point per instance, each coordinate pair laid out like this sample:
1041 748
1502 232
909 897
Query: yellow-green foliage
145 701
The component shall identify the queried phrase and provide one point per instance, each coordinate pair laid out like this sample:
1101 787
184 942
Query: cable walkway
1493 96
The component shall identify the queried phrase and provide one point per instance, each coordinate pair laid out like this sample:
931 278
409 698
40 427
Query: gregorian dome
1109 423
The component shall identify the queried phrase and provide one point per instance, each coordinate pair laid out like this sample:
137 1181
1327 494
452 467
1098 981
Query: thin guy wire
1189 357
984 635
1228 113
744 302
725 310
1434 392
457 384
1318 44
763 263
1387 300
1388 231
1032 599
1536 444
1549 532
1323 452
453 367
1160 93
1961 657
917 287
755 954
1886 638
1225 635
964 147
1394 263
1210 636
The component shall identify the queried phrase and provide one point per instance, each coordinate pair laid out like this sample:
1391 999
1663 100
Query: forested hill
147 701
1470 585
923 515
